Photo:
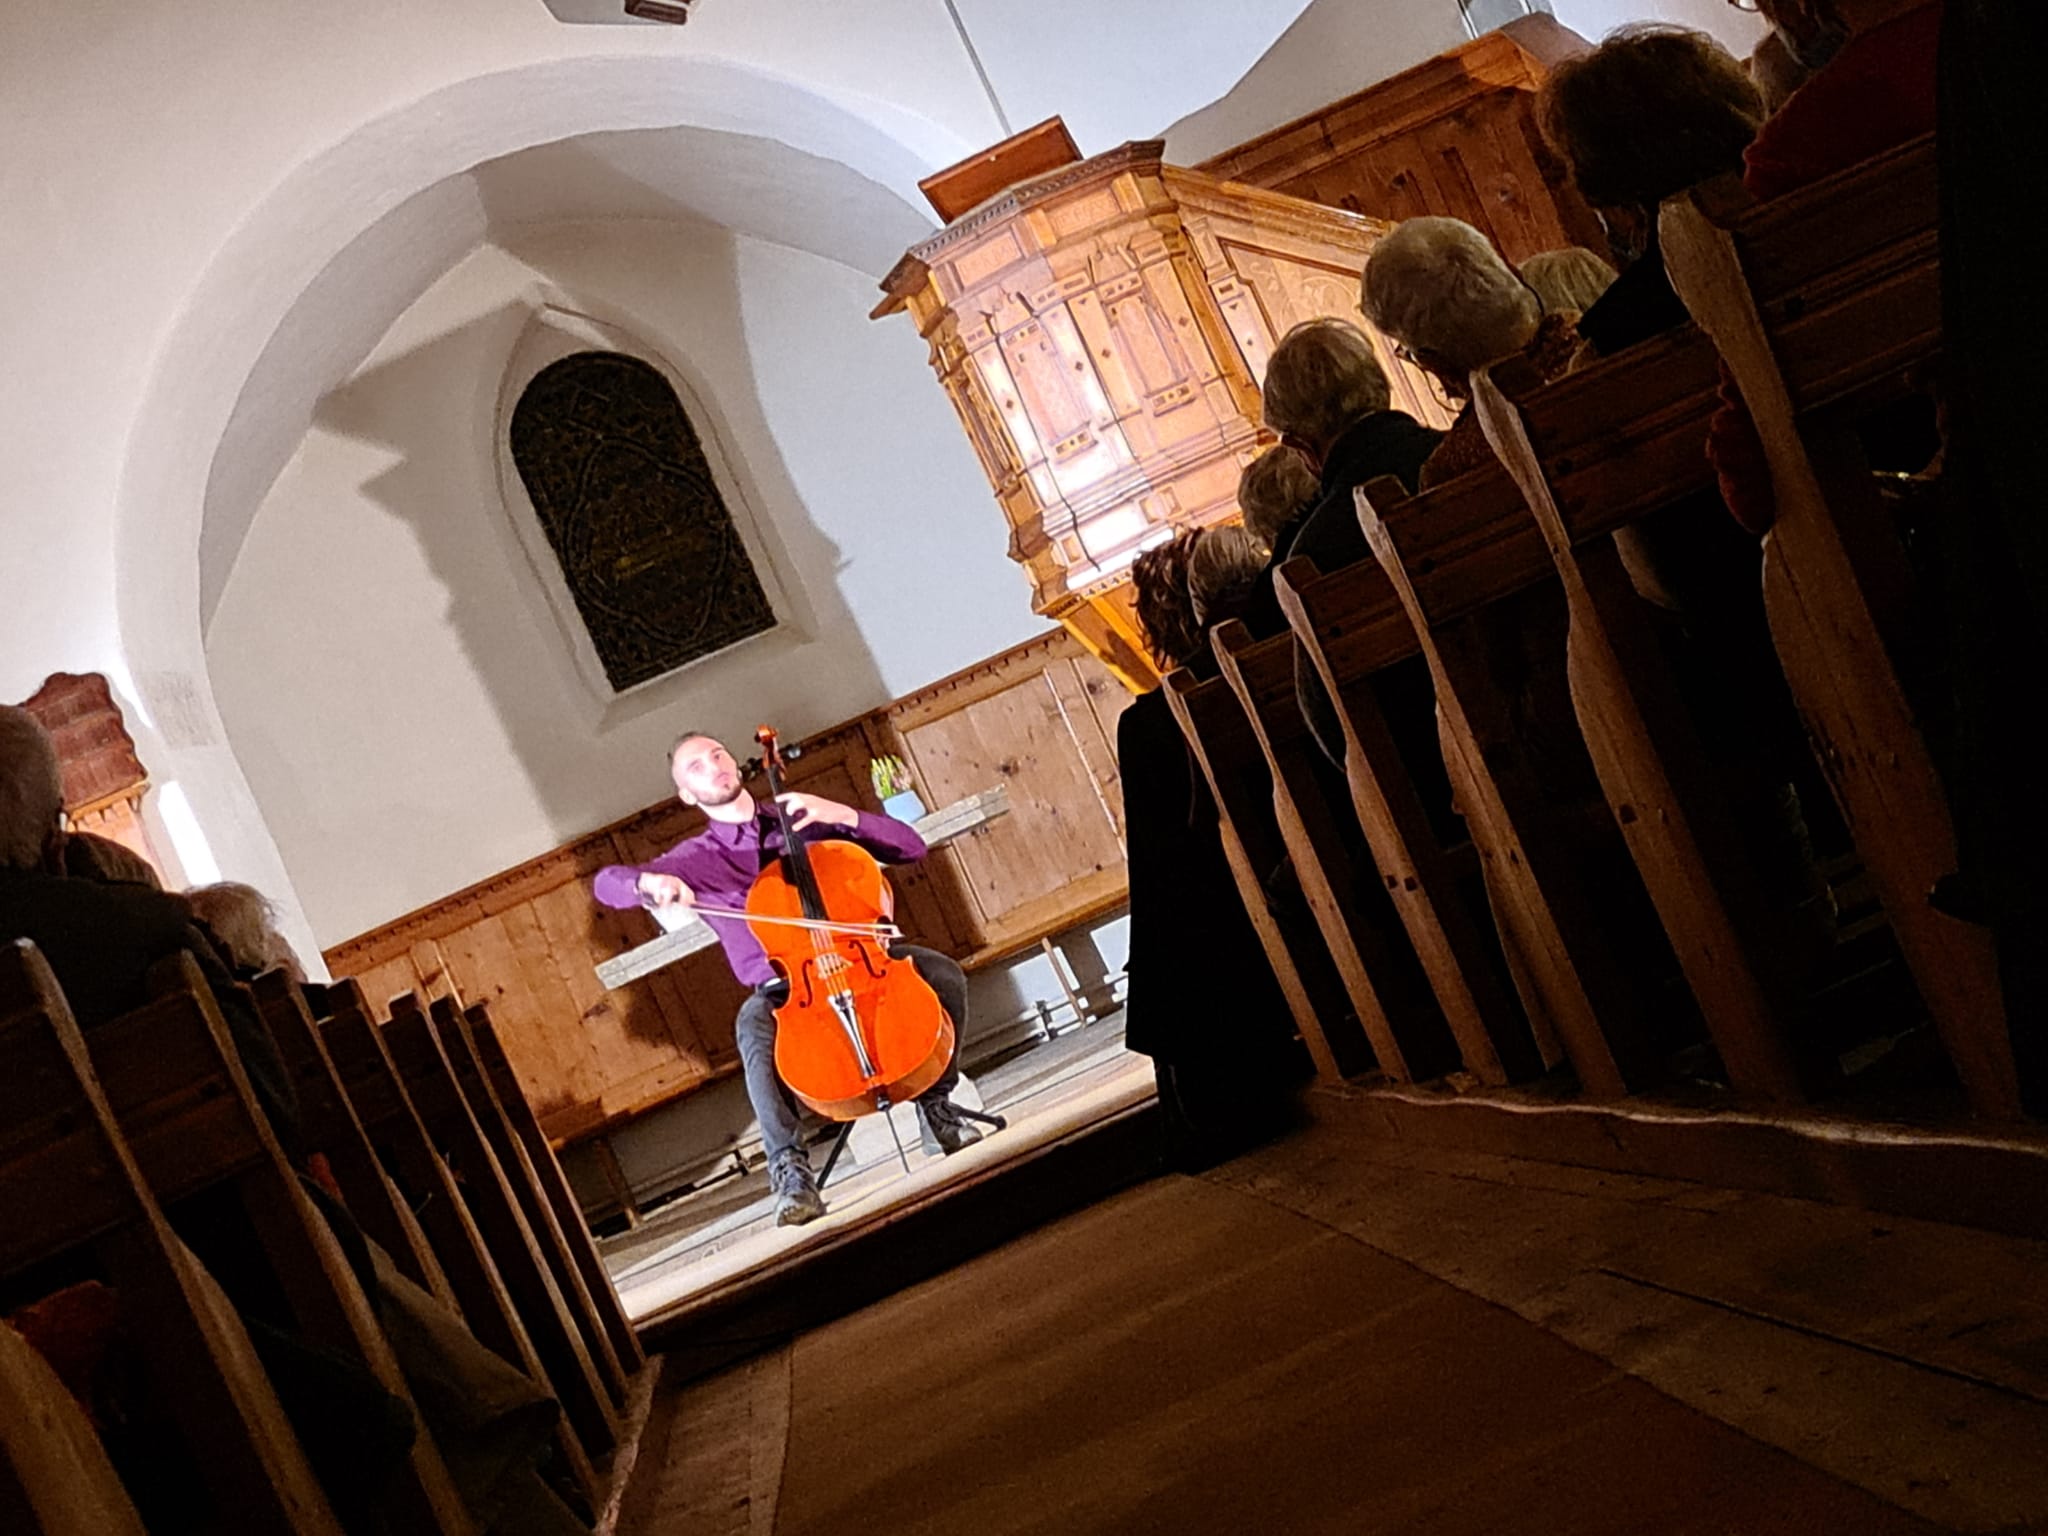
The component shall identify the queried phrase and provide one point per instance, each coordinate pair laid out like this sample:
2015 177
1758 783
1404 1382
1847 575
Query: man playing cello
717 868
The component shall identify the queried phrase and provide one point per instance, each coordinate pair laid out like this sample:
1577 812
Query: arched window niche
632 534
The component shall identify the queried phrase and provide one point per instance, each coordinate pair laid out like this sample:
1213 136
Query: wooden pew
1408 1038
1351 627
1221 738
524 1180
1823 303
69 1182
178 1092
55 1479
554 1184
1450 553
394 1127
418 1052
1590 453
334 1129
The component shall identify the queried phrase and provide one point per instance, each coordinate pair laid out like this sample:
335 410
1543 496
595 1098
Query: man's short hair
1650 112
1438 286
1274 489
31 788
677 745
1322 377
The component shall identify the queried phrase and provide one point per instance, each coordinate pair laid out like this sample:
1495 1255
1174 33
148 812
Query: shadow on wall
498 610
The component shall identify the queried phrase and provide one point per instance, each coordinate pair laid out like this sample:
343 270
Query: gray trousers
754 1032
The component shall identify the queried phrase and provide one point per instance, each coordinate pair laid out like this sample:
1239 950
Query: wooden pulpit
1102 329
1102 325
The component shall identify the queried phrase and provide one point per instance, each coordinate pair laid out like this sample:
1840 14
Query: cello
860 1031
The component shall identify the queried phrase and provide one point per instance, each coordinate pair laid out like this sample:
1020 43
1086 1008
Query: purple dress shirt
720 864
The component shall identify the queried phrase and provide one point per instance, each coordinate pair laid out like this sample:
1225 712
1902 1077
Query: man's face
705 773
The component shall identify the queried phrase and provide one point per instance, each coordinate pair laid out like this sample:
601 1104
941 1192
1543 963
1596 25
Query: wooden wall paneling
1454 135
386 980
626 1069
1058 827
932 904
1107 697
1096 745
502 961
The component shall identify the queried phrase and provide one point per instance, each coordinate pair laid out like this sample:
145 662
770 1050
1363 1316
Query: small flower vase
905 807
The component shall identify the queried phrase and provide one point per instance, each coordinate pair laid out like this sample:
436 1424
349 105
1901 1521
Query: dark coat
1385 443
1200 984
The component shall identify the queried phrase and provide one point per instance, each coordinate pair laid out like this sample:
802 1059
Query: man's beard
737 791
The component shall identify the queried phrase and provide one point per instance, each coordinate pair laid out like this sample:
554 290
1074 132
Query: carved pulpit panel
1103 330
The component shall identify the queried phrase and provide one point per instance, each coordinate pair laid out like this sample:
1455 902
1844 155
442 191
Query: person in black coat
1202 1002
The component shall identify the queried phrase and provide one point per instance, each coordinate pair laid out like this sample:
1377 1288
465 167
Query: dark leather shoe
943 1119
796 1190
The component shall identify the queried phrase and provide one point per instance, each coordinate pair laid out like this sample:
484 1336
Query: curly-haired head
1274 489
1651 111
1165 601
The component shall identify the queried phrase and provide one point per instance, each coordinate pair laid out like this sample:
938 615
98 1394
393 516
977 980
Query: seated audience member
243 924
1569 281
1876 92
1222 572
1203 1002
101 938
88 856
1328 398
1872 91
1439 289
1650 112
1274 491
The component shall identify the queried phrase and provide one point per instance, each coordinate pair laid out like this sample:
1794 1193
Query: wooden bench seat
1380 973
179 1095
68 1182
394 1127
1822 304
1351 627
1452 553
555 1188
1221 739
55 1479
523 1180
1583 477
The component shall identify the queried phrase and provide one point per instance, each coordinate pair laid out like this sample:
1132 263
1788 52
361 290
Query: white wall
1738 31
391 676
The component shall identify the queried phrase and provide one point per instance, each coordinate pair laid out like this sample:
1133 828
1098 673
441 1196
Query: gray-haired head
1322 377
31 789
1440 288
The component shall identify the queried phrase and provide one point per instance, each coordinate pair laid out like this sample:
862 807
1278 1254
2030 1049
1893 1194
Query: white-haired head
31 789
1439 288
1322 377
1568 281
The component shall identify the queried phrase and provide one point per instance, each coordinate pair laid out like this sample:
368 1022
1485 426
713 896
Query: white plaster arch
305 286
